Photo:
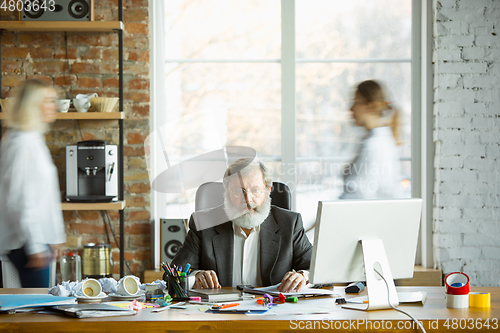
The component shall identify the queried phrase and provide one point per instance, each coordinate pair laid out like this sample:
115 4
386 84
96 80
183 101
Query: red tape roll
457 283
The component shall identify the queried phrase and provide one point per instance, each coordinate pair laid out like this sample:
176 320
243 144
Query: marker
192 298
224 306
188 266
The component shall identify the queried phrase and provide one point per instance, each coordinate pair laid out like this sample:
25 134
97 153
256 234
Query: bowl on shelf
104 104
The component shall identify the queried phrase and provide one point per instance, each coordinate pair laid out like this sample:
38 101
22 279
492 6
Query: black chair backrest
211 195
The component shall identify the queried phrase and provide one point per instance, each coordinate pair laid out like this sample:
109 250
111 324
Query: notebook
92 310
18 301
215 295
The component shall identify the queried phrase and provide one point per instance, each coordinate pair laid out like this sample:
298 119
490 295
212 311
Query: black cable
79 129
105 227
114 237
69 68
392 306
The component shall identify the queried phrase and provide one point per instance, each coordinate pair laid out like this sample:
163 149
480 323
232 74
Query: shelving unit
62 26
85 116
88 26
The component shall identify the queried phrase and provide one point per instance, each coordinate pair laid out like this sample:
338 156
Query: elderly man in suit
253 243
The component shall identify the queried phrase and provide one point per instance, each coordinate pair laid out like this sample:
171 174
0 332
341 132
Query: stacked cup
457 290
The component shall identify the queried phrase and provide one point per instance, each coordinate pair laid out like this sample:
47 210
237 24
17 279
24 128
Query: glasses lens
254 192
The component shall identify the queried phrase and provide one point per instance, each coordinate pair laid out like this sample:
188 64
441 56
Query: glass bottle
71 267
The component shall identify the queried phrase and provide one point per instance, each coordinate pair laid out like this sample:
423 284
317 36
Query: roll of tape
457 301
457 283
479 300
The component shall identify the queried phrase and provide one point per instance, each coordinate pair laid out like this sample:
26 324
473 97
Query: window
226 66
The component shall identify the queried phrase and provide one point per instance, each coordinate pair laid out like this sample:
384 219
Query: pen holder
176 286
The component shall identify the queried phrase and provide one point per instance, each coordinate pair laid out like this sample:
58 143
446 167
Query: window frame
422 152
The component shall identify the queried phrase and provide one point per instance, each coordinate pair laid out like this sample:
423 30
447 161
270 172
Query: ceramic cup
91 288
86 96
128 286
63 104
81 104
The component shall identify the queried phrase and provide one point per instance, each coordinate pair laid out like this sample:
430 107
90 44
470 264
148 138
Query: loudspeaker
172 235
60 10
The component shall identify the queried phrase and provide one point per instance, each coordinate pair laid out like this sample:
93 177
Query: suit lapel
223 244
270 243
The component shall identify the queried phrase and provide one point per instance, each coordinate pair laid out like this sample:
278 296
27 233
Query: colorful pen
224 306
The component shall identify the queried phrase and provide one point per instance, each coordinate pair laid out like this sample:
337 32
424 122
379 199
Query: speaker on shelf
172 235
60 10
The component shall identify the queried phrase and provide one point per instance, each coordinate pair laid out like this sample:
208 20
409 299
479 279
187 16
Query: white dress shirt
376 172
30 201
246 265
246 259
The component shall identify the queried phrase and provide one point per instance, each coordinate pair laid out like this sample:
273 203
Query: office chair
211 195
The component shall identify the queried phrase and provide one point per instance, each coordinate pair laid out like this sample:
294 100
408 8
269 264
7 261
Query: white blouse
30 201
376 172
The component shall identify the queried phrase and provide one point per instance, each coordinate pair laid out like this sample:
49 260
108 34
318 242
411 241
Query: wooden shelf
87 26
118 205
85 115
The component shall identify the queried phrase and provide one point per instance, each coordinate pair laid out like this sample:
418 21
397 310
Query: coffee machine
92 172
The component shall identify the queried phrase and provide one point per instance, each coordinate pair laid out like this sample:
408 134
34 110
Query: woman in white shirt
31 222
376 171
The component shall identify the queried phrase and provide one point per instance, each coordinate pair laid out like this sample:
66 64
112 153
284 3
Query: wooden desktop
434 316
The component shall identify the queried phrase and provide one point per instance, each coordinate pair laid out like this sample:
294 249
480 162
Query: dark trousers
30 277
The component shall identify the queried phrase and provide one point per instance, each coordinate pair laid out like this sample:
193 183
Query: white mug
128 286
90 288
63 104
81 104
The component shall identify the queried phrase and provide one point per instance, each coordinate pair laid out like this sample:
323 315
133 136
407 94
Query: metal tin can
97 261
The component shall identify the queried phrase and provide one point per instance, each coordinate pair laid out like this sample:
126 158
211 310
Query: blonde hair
26 111
372 91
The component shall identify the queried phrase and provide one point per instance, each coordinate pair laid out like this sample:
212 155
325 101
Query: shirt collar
238 231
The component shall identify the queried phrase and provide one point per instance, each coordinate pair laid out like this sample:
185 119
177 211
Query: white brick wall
467 133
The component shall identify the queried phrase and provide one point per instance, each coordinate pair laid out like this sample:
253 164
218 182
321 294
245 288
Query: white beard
244 217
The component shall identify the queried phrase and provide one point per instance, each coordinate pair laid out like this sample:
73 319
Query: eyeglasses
239 193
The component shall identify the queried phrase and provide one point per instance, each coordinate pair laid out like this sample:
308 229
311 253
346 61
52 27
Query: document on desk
307 291
92 310
408 298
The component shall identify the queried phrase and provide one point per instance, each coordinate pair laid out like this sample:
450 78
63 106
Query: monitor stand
375 258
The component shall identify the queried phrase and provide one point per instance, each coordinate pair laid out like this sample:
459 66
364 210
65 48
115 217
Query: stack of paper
19 301
92 310
304 292
215 295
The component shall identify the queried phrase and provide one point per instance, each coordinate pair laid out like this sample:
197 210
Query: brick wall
467 135
93 59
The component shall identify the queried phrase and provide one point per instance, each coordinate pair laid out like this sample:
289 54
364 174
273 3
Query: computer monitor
378 234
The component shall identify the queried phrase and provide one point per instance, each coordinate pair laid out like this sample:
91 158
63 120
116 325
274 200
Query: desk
434 312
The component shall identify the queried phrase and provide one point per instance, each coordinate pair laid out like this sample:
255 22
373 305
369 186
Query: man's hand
206 280
38 260
292 281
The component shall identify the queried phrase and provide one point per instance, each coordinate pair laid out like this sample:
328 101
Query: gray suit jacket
283 247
